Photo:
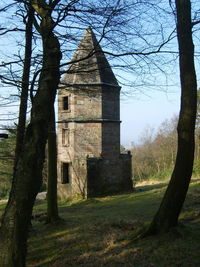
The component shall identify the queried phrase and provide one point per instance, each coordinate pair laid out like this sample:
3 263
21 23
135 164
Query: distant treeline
154 158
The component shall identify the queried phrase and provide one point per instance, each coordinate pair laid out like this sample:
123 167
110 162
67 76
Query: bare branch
195 23
9 30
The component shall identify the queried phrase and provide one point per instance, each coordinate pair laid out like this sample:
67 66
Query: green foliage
4 190
155 156
7 147
196 168
163 174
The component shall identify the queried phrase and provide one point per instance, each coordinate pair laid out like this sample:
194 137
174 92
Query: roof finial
89 29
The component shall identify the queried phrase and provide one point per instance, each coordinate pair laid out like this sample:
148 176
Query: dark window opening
65 102
65 173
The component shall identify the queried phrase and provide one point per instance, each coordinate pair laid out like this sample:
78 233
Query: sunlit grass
98 232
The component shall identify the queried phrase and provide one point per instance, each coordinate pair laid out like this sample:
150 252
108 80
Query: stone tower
89 159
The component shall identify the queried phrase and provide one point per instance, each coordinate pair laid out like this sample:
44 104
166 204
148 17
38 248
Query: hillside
99 232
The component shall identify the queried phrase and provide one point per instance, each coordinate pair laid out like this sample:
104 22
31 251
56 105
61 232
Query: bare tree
28 175
25 83
52 206
169 210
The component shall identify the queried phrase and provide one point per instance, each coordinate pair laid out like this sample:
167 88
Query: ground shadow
141 188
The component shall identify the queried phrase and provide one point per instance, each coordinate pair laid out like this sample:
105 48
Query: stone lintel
89 120
64 85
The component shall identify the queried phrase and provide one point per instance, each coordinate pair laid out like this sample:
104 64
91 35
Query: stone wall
111 139
87 140
92 177
108 176
110 103
84 102
78 180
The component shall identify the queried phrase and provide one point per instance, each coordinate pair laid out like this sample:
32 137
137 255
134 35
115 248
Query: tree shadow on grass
97 232
142 188
74 246
111 245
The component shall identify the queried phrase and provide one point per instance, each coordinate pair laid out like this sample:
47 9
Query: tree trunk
52 207
25 84
28 174
167 215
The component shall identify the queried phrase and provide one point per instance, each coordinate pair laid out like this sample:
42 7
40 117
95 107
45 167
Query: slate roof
94 68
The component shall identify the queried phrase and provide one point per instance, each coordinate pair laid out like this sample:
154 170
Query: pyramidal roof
90 64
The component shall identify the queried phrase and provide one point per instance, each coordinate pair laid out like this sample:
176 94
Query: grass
98 232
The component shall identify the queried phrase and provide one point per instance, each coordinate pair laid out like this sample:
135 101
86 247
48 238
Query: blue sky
138 113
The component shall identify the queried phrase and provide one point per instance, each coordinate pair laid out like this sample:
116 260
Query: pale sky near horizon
138 113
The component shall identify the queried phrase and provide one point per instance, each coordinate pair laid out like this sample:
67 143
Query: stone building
89 159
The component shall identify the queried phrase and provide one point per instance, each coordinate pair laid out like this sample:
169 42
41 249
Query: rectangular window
65 126
65 137
65 173
65 102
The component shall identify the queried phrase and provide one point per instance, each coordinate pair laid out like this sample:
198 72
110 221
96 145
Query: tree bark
52 207
171 205
25 84
28 174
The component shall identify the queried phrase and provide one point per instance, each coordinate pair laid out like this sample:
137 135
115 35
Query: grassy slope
97 232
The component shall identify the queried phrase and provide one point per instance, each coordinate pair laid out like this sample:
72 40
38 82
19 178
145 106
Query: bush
196 168
4 192
164 174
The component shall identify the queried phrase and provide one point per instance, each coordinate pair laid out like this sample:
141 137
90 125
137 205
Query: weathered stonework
89 159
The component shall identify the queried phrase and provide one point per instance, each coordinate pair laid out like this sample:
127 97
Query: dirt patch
3 201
